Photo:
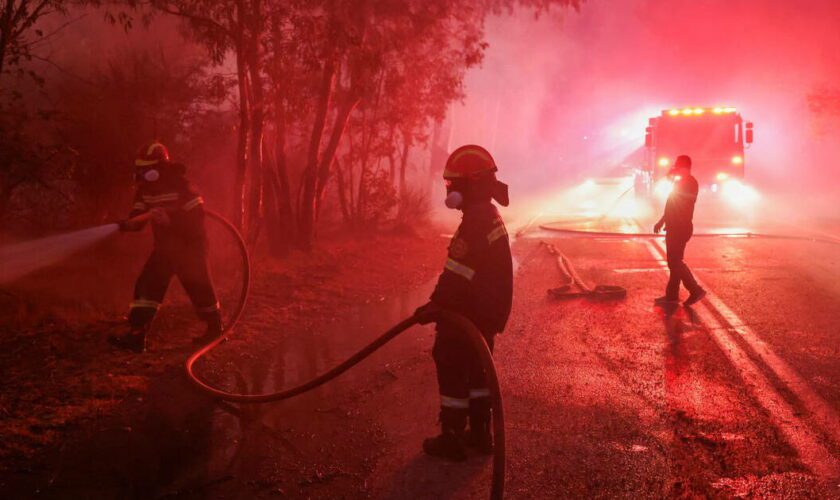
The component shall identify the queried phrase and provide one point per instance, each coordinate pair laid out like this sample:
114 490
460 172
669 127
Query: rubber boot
449 445
480 436
665 301
134 340
214 329
695 297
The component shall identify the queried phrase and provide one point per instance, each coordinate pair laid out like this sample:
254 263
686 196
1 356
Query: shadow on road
155 452
425 477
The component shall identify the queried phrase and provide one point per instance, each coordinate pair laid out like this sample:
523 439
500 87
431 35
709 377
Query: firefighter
477 282
180 246
677 219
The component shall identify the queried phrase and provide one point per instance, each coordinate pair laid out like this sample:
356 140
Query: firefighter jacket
477 280
679 209
183 205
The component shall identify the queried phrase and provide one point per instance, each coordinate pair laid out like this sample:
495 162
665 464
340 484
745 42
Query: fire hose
585 233
473 335
575 287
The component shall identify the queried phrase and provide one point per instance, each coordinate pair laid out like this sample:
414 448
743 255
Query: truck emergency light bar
697 111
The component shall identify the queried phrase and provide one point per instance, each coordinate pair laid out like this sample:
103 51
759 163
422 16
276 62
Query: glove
423 313
160 217
129 225
658 227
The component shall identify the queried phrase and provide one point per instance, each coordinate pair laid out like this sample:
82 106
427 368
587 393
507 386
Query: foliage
319 93
134 97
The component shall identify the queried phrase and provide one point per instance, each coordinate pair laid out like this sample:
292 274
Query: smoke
18 260
567 96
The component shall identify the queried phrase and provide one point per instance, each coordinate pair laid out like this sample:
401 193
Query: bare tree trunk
437 155
328 155
277 243
342 193
257 123
363 174
306 210
5 29
392 163
242 137
404 164
361 191
351 181
285 205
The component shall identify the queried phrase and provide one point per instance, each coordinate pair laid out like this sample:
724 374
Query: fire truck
714 138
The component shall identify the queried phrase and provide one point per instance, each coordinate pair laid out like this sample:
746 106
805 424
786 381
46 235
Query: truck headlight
663 188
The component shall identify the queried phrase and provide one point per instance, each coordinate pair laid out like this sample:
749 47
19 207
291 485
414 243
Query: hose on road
476 340
575 287
584 233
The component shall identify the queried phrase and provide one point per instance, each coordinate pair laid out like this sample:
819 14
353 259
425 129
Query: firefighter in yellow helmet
180 246
477 282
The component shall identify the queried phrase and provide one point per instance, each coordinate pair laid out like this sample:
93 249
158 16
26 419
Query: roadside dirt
80 420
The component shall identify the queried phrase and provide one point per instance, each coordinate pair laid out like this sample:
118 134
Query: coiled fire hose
464 325
575 287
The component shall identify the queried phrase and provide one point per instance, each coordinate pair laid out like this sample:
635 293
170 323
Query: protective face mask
151 175
454 199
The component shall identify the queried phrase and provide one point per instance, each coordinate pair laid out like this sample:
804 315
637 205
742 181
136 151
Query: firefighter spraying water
175 209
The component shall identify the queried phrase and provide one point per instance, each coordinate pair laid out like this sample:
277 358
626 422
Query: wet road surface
736 397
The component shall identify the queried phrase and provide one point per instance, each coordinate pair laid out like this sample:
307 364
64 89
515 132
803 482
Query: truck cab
714 138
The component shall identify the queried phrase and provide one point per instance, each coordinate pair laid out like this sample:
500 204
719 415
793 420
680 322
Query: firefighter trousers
675 244
192 270
461 378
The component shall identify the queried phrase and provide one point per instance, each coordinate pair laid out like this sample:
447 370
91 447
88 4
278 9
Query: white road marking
825 416
654 270
806 442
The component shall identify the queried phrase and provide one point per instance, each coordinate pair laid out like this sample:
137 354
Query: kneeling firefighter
476 282
180 246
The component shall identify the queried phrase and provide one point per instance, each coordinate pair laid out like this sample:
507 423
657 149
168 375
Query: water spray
20 259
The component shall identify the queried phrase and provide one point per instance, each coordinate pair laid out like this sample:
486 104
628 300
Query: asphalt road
736 397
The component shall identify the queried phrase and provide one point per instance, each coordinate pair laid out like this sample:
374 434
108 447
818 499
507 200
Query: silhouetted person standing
477 282
677 219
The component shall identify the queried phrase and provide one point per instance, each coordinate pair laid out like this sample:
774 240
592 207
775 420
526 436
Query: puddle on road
303 355
176 441
298 357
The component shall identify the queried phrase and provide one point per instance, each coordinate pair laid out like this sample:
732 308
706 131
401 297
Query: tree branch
194 18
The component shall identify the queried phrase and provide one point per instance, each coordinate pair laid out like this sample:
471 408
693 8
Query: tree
357 48
308 71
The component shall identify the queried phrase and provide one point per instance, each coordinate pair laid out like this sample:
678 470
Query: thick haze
571 93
